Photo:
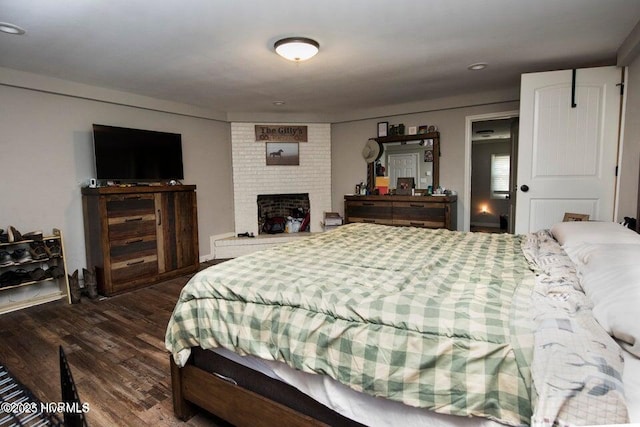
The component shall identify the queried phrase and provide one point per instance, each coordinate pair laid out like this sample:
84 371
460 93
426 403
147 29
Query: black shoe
14 235
52 247
55 272
37 274
5 259
22 275
4 237
9 278
21 255
37 250
32 235
13 278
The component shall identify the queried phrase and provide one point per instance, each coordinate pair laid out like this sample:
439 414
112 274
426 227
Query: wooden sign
281 133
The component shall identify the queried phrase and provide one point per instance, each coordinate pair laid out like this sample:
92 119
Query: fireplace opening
280 213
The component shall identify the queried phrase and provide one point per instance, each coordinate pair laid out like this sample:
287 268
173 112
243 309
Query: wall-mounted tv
124 154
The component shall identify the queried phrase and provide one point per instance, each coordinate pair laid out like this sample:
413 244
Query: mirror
404 156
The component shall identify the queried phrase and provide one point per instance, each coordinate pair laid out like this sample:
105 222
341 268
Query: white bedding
375 412
607 258
631 379
360 407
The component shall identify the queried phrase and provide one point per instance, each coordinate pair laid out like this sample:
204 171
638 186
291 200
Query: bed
369 323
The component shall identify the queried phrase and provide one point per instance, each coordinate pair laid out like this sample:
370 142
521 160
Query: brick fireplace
252 177
281 205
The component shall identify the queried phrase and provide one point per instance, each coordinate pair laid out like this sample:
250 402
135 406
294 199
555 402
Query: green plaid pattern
431 318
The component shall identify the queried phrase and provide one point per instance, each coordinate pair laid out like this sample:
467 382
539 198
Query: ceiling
219 54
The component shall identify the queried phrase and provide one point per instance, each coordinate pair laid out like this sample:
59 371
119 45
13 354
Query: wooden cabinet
414 211
137 236
178 218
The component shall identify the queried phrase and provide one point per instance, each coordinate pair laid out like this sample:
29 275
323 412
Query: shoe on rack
21 255
5 259
14 235
32 235
37 250
9 278
52 247
38 274
4 237
22 275
55 272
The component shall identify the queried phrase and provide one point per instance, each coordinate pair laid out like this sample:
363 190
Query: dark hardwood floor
115 347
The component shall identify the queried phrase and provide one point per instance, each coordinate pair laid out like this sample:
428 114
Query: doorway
402 165
491 154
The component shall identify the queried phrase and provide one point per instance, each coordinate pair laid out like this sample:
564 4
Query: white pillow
610 276
575 232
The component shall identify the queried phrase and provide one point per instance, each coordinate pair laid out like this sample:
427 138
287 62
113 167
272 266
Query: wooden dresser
137 236
415 211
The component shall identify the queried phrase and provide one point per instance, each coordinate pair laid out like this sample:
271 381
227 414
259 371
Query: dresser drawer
130 227
430 214
134 248
126 271
383 221
357 211
424 224
129 205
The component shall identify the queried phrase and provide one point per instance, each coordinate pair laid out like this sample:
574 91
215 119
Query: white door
402 166
567 155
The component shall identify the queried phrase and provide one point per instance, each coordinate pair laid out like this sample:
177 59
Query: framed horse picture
282 154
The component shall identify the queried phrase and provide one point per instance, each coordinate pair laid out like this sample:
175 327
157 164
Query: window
500 167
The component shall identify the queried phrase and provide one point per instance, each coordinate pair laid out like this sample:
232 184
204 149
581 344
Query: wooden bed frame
242 396
252 399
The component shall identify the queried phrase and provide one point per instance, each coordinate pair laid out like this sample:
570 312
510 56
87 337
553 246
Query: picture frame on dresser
383 129
568 216
405 185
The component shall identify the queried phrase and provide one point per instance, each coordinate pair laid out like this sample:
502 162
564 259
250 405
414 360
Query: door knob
524 188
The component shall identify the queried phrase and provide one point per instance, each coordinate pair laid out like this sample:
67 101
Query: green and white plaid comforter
431 318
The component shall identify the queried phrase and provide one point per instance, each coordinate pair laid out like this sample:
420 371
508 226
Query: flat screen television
123 154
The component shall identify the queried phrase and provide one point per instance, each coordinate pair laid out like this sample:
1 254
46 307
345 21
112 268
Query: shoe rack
33 272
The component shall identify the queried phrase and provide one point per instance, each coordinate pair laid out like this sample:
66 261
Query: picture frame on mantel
383 129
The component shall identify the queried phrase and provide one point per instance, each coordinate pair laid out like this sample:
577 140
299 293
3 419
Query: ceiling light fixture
278 103
5 27
296 49
478 66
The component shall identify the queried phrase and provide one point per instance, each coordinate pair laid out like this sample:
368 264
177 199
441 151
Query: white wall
251 175
46 154
348 139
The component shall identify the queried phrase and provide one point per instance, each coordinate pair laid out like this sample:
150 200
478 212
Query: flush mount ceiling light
478 66
296 49
8 28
